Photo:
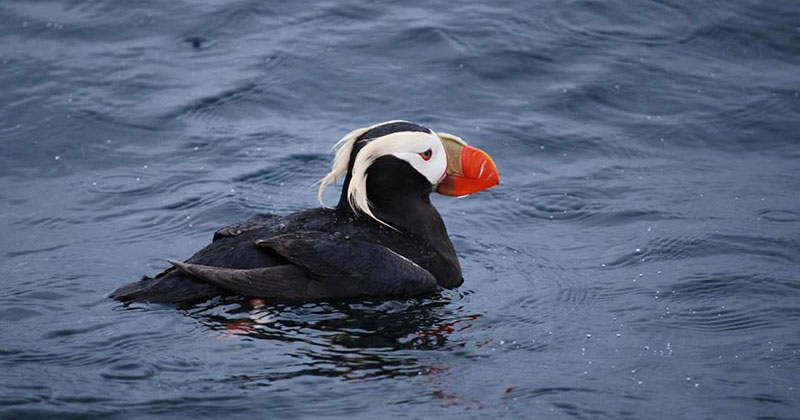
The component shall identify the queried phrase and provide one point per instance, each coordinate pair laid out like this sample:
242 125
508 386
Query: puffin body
384 238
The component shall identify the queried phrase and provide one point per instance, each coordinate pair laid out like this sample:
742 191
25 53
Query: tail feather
171 286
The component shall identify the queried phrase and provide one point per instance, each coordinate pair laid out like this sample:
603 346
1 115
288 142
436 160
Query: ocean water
640 259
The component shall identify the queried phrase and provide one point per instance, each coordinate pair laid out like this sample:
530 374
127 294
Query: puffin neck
399 196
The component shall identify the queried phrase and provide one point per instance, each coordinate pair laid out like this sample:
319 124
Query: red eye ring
426 155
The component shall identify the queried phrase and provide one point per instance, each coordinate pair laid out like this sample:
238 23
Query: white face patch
411 146
424 151
425 154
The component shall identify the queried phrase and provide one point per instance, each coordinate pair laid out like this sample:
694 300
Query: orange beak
469 169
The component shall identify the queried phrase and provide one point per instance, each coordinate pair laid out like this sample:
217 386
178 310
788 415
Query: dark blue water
641 258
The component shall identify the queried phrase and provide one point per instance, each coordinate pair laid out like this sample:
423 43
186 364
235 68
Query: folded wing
322 265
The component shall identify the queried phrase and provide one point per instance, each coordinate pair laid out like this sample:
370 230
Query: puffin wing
322 266
352 267
256 222
283 281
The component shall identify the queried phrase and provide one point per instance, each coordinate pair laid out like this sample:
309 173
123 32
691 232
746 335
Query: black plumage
324 253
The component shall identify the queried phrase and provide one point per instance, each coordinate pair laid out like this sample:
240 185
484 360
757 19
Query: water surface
639 260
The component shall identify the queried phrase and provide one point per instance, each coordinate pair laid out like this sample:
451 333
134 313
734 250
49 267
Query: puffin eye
426 155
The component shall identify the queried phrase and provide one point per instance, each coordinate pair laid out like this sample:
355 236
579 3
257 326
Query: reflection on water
356 340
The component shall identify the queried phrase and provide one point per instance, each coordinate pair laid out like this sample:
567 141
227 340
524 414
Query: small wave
779 216
128 371
294 169
715 319
642 22
122 184
24 252
678 248
709 286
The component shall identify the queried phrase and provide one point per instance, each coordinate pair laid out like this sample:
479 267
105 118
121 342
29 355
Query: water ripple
642 21
641 248
676 248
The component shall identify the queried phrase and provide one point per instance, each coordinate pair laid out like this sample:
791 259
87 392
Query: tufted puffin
383 239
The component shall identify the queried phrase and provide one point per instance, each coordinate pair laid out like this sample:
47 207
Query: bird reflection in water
346 340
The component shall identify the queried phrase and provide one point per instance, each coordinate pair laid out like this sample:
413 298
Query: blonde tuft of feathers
405 145
344 148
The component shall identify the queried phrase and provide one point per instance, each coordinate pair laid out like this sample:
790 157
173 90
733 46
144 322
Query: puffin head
393 165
